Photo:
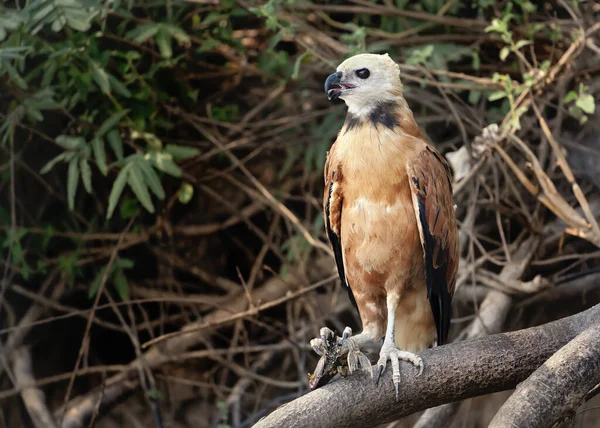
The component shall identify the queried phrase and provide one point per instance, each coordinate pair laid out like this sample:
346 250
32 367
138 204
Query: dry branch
117 387
452 372
33 397
557 388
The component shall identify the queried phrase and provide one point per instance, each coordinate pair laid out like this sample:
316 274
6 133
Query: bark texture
557 388
452 372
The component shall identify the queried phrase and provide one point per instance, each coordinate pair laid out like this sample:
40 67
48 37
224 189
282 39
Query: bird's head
364 81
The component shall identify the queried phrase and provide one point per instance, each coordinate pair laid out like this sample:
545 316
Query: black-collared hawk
390 219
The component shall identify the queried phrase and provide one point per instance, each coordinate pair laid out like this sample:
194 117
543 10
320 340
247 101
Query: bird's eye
363 73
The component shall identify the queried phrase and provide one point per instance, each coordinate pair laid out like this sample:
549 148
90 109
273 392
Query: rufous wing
333 199
431 186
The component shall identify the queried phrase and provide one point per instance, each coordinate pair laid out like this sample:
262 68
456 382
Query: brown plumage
389 217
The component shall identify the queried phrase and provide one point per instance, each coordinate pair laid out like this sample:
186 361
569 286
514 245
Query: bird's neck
383 114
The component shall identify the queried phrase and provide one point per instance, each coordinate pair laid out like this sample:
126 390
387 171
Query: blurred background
161 171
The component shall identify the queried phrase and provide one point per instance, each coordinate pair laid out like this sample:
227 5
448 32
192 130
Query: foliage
103 71
180 135
583 103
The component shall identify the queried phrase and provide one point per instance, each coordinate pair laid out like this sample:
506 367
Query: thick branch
33 397
490 319
557 387
452 372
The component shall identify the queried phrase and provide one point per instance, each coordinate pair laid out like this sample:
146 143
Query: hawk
389 216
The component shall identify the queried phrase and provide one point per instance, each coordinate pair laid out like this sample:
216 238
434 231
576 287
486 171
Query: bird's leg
390 352
347 344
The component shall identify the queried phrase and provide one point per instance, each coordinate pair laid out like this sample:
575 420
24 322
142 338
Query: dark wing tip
438 293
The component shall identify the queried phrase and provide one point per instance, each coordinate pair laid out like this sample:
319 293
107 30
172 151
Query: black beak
332 86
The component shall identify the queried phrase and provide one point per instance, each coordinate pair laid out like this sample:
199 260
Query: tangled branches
212 274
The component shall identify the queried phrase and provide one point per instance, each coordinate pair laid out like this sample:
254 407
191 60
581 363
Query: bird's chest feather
380 235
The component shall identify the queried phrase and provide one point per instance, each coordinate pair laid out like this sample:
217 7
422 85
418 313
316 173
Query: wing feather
332 204
431 186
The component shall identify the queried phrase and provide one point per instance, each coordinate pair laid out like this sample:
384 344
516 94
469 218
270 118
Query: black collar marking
383 113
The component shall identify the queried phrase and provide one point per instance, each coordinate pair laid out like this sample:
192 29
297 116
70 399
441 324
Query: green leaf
124 263
42 267
522 43
185 193
78 18
181 152
474 96
70 143
100 155
529 7
95 286
179 34
296 72
164 162
143 32
571 96
496 95
152 179
586 103
128 208
111 122
14 75
49 233
420 55
504 52
497 26
121 286
86 174
72 182
49 74
118 86
117 189
163 41
100 77
138 185
152 140
116 144
476 62
46 168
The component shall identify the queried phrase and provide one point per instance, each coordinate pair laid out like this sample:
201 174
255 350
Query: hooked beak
335 87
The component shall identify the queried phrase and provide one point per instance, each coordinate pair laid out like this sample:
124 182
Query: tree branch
557 387
33 397
118 387
452 372
490 319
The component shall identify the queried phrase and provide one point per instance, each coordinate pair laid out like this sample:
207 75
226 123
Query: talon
324 333
331 348
420 368
347 333
317 345
389 352
380 369
365 363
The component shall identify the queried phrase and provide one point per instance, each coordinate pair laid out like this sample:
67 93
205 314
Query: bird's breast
380 235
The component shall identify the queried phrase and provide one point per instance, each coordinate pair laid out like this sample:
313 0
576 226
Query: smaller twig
285 211
93 312
243 314
564 166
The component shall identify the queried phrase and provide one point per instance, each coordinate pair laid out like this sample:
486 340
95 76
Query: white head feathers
374 79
